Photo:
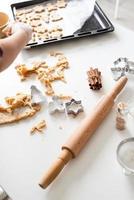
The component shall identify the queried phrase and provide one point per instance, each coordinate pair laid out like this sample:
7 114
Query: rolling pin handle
64 157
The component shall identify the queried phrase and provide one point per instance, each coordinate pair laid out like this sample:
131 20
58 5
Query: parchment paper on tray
76 13
50 21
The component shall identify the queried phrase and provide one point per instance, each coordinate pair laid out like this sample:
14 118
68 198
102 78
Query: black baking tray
97 23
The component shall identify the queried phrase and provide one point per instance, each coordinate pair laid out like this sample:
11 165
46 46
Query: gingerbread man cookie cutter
56 105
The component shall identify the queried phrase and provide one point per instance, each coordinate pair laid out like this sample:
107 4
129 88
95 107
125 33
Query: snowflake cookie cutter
56 106
74 107
122 67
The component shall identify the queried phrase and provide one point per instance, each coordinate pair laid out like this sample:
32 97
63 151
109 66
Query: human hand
19 35
17 26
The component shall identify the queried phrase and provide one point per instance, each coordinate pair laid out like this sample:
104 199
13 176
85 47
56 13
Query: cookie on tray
39 9
55 17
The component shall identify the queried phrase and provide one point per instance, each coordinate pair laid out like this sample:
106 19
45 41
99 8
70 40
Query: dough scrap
39 127
18 107
45 74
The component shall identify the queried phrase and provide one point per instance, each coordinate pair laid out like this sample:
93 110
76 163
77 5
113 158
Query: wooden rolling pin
82 134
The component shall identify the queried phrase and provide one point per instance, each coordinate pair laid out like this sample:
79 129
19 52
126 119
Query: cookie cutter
3 194
74 107
122 67
125 109
56 105
122 108
36 95
121 114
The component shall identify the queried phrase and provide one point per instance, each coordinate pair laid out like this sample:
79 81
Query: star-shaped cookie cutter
122 67
74 107
56 105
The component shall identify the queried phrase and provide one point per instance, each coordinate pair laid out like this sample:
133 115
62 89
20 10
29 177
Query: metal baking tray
97 23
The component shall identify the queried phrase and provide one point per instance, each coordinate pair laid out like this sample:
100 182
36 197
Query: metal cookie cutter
122 62
37 96
56 105
122 112
122 108
3 194
74 107
122 66
125 109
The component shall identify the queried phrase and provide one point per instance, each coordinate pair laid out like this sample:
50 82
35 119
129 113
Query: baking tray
97 23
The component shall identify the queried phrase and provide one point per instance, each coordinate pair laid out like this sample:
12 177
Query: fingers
22 26
7 31
16 26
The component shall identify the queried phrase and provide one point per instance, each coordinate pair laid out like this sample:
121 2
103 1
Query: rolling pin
81 135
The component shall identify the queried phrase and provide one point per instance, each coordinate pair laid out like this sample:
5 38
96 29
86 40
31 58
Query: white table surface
95 173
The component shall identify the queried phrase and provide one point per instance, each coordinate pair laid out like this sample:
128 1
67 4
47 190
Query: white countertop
95 173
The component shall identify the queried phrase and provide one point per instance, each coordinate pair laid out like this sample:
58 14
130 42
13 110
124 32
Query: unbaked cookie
23 19
56 34
27 11
61 4
20 12
41 29
56 28
39 9
35 23
35 17
55 17
44 36
51 7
